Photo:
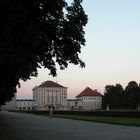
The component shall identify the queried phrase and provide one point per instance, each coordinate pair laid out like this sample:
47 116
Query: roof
51 84
89 92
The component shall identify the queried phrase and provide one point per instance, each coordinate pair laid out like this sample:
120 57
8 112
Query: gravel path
34 127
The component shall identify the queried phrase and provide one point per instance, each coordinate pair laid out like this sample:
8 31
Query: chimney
95 90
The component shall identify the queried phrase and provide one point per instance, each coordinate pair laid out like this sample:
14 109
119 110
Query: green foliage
117 97
132 95
112 96
38 33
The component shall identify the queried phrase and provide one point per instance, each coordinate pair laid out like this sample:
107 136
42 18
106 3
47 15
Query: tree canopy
117 97
38 33
132 95
112 96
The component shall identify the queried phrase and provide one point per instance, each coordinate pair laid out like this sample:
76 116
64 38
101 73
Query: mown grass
121 120
103 119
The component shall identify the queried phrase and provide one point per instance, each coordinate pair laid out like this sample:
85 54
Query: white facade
91 102
90 99
74 104
25 105
50 94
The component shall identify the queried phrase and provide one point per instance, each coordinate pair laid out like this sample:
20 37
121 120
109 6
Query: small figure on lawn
51 112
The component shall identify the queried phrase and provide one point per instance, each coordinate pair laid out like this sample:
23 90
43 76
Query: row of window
51 102
51 92
91 103
25 103
49 97
92 98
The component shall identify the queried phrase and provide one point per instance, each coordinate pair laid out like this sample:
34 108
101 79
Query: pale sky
111 53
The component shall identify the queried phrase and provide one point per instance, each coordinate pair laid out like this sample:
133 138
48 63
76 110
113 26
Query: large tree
38 33
132 95
113 96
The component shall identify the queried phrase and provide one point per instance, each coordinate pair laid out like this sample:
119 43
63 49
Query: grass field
103 119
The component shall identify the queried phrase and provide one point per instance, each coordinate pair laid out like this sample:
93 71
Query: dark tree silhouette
38 33
113 96
132 95
116 97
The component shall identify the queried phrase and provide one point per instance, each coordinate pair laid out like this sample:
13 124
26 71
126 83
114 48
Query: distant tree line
118 98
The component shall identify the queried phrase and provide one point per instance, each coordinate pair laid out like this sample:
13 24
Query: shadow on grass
6 133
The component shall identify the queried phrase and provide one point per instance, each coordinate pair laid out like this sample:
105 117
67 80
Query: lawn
103 119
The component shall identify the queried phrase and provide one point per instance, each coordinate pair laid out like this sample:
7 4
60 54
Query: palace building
25 104
50 94
88 99
91 99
